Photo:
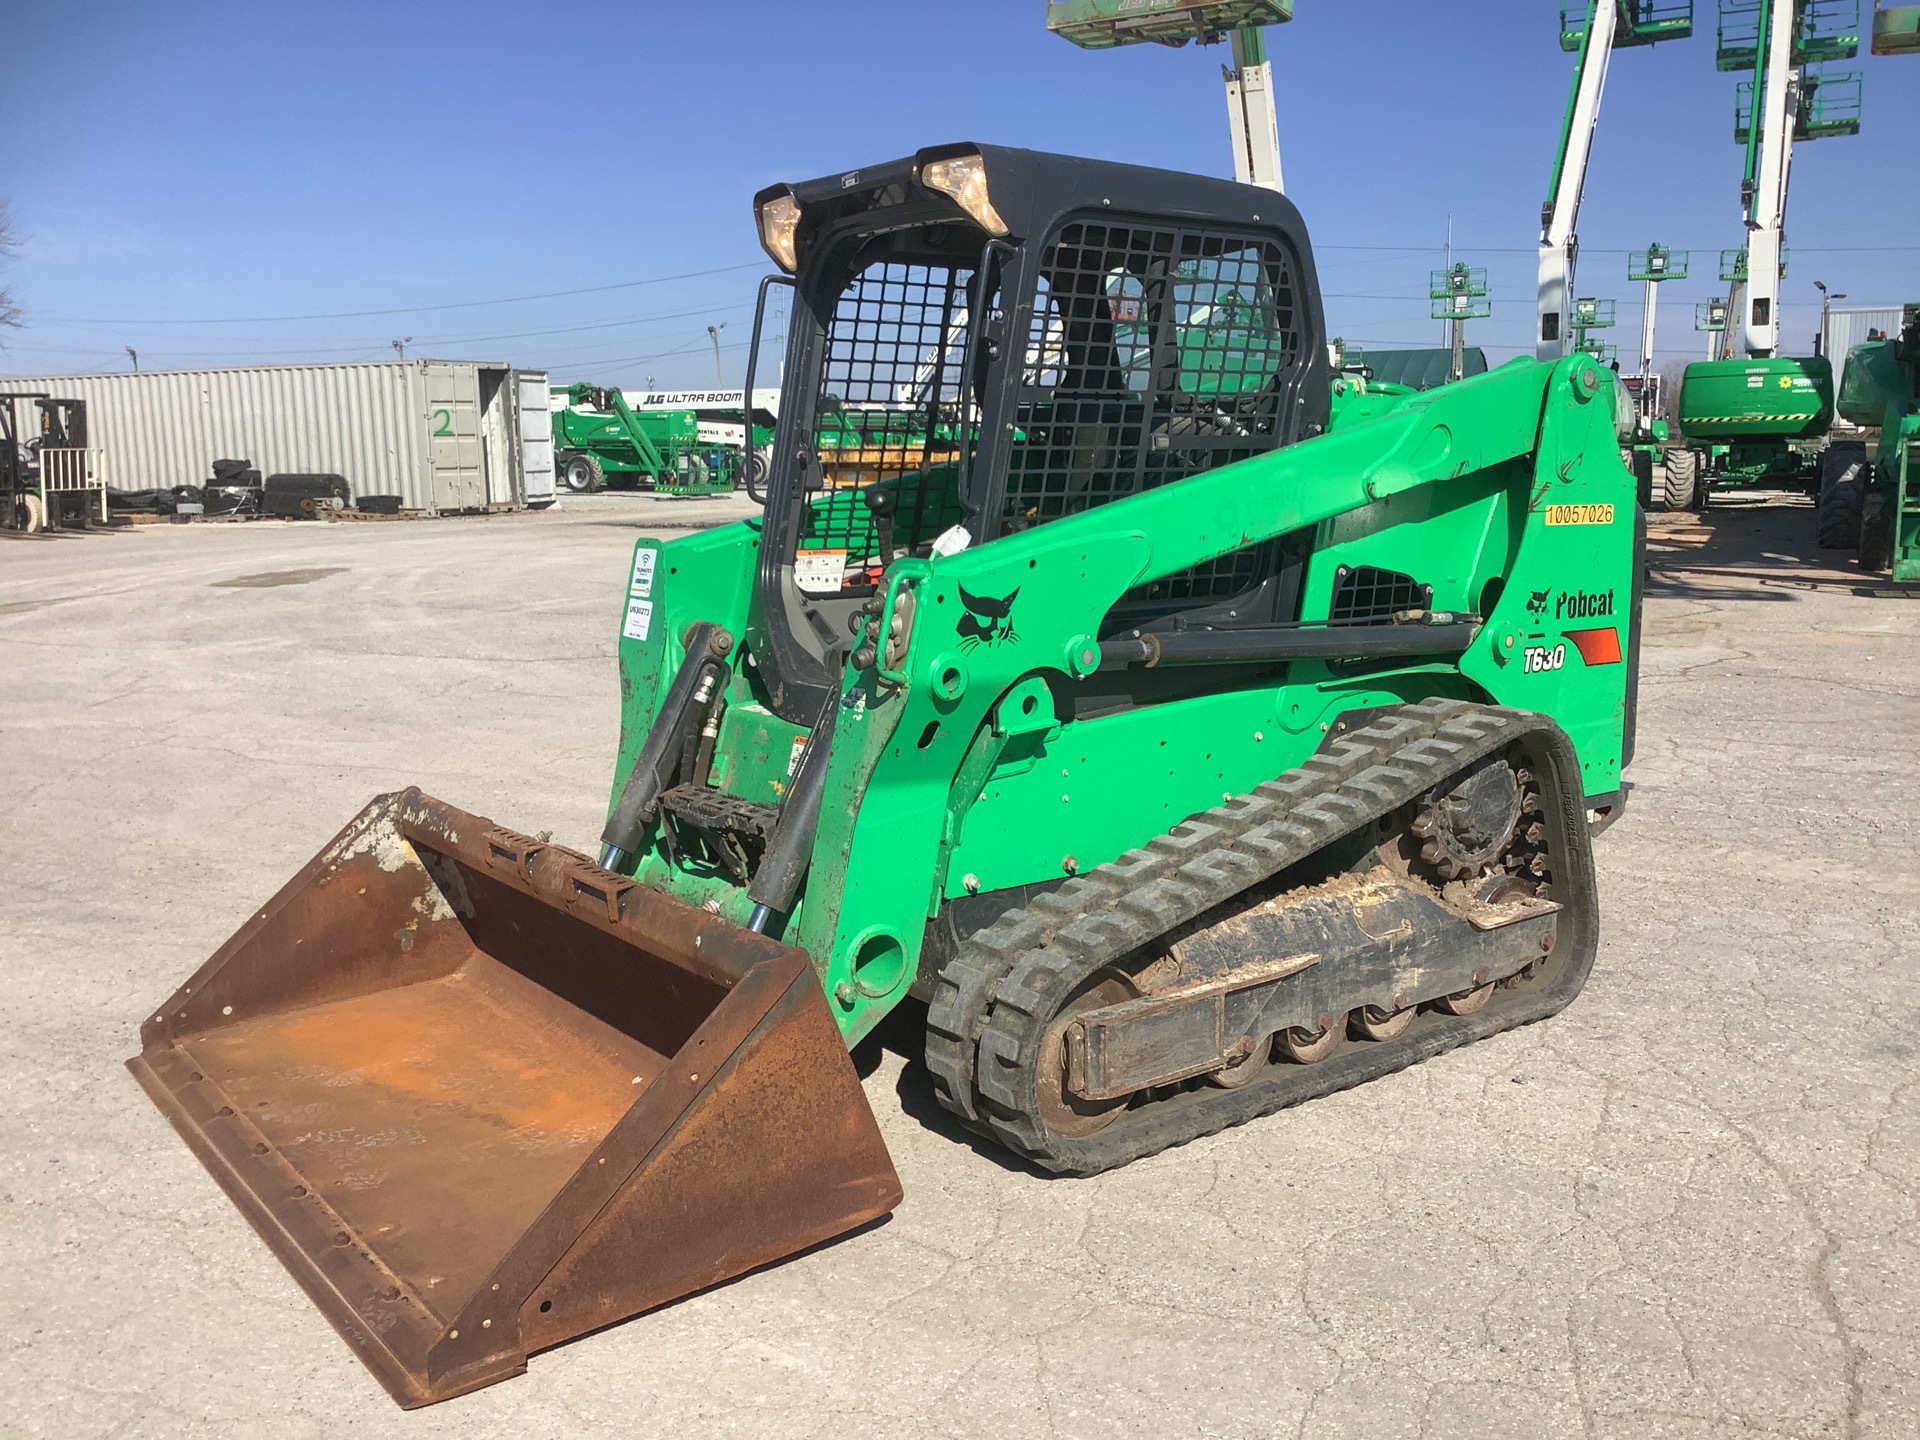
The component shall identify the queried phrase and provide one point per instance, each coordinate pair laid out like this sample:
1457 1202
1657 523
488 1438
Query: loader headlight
779 218
964 178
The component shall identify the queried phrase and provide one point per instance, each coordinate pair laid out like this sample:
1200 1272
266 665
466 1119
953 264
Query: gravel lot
1686 1207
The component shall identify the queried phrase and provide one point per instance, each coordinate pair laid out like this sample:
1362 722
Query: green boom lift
598 437
1653 267
1761 419
1861 493
1107 24
1592 30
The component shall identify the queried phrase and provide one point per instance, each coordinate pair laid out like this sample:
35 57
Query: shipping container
444 435
1847 328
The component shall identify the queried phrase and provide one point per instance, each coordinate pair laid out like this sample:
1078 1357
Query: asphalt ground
1685 1207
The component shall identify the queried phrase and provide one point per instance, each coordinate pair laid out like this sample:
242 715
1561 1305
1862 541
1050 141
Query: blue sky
252 183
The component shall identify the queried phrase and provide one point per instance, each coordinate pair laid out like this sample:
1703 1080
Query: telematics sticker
1579 514
643 563
639 618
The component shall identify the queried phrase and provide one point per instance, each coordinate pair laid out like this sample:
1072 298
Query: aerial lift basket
480 1095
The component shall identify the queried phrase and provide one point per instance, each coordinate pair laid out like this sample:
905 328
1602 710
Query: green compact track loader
1184 741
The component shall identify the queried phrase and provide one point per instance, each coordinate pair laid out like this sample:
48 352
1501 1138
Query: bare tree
1671 375
10 315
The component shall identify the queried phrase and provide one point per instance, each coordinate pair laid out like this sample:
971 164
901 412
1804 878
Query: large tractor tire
582 474
753 474
1876 529
1682 490
1843 490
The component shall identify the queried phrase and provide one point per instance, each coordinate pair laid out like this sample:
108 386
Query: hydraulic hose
684 706
790 849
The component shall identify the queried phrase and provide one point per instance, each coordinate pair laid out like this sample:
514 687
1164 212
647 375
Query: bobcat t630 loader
1192 731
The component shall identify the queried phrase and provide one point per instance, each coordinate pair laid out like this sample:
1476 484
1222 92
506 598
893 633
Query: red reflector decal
1597 647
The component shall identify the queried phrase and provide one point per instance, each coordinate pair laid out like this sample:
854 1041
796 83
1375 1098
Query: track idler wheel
1466 1002
1310 1047
1065 1112
1249 1067
1373 1022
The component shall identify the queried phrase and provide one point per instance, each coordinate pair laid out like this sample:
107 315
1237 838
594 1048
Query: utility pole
713 334
400 346
134 356
1826 304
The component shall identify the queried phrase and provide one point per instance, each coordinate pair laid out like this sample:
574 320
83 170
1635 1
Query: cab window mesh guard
1367 595
1152 354
891 408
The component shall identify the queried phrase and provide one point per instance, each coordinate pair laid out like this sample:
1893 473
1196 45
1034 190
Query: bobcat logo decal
1538 604
987 621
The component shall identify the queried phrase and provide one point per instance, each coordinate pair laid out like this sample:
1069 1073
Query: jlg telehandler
1193 740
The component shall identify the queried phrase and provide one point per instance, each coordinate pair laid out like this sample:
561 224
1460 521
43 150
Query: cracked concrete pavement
1684 1208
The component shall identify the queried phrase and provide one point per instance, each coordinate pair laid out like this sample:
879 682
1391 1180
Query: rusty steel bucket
481 1096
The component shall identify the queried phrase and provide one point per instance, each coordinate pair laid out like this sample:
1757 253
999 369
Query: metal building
444 435
1847 328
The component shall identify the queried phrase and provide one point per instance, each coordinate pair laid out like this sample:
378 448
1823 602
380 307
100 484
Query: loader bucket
481 1096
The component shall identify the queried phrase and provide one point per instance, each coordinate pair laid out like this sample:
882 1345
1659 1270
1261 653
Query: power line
1602 250
755 264
415 309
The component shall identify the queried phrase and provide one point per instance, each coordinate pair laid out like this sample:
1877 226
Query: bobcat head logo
987 621
1538 604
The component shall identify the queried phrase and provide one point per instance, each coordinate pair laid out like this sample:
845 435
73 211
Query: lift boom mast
1559 217
1769 159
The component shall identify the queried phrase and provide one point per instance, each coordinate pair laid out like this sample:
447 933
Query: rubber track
993 1000
965 988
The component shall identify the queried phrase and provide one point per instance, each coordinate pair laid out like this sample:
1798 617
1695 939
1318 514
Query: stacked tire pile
304 497
234 490
238 490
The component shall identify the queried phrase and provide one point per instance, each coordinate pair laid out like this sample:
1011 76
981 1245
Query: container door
453 437
502 454
536 436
